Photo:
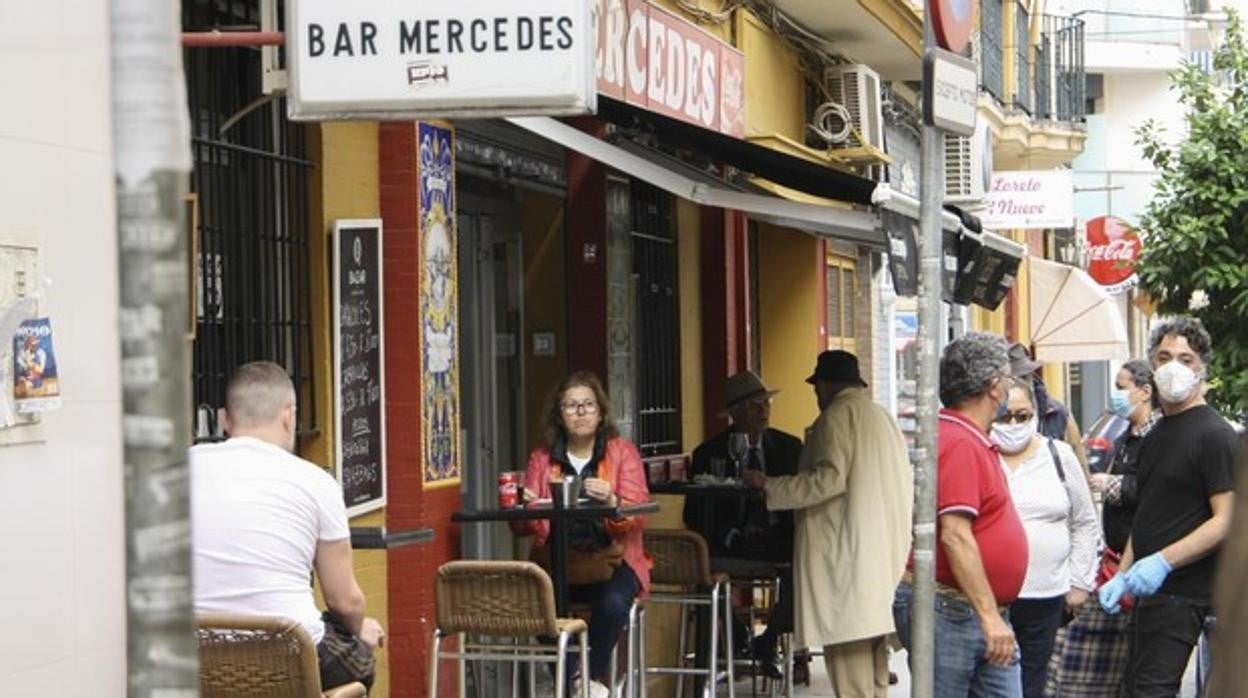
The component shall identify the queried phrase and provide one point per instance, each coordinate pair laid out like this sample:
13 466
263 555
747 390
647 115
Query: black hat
837 366
1021 363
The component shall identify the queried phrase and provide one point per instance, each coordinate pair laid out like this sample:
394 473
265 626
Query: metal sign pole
151 154
931 191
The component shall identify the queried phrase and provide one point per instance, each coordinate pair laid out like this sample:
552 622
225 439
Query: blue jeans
609 603
961 669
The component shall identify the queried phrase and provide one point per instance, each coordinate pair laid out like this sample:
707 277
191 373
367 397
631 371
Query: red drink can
508 490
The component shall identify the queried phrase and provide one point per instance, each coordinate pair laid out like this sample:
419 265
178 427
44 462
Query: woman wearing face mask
1090 659
1052 497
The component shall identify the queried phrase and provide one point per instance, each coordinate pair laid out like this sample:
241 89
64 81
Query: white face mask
1175 382
1013 438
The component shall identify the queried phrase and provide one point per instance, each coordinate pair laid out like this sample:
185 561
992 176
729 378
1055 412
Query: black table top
736 488
379 538
546 511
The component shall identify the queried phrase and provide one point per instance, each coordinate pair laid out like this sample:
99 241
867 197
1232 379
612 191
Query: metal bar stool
622 686
502 599
681 560
762 579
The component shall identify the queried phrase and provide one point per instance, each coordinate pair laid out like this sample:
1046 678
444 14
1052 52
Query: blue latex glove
1111 593
1146 576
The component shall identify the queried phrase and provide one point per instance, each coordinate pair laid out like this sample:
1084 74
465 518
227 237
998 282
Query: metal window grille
1022 58
1044 76
1069 74
250 181
658 331
992 43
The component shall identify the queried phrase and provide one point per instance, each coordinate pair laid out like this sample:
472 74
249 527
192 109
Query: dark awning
781 168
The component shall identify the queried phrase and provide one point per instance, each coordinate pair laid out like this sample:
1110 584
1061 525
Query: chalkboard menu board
359 378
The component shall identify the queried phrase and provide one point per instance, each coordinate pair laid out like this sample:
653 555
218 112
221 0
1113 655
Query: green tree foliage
1196 225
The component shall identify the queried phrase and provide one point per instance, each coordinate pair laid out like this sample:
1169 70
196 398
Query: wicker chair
681 561
250 656
502 600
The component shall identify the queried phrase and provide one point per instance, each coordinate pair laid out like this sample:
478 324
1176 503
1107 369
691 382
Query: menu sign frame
359 364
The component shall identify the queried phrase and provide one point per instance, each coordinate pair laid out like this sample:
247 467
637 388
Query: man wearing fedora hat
741 528
854 493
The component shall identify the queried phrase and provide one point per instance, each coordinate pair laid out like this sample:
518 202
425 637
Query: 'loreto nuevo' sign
655 60
1030 200
400 59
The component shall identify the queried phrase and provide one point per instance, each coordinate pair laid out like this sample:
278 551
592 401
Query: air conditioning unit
968 167
857 88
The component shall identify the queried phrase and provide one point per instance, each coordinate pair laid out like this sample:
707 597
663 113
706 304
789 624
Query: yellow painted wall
775 94
689 252
788 310
344 185
545 306
719 29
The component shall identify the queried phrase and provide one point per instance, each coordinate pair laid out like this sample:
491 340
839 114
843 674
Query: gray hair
1029 389
968 366
1190 329
257 394
1141 373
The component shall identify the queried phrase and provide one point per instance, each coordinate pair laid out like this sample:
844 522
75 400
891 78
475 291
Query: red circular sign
1113 247
953 21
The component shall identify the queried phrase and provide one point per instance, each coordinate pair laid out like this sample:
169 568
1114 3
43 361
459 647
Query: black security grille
1069 73
250 185
1022 58
658 341
992 47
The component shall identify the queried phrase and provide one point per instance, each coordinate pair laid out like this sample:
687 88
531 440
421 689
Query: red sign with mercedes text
650 58
1113 246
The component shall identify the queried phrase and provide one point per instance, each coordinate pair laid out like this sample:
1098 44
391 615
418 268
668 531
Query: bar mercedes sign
396 59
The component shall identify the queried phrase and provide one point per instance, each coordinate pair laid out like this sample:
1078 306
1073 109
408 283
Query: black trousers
1162 632
1035 623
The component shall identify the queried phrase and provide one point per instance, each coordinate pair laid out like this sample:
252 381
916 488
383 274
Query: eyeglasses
1017 417
587 407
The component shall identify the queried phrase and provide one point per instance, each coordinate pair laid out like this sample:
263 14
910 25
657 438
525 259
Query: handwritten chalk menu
359 378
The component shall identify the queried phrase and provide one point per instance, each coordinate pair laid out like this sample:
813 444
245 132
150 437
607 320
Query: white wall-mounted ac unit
968 167
857 88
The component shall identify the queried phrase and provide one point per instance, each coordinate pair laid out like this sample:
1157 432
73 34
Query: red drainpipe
220 39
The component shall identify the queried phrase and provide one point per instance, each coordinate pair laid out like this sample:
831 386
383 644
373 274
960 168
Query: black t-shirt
1184 460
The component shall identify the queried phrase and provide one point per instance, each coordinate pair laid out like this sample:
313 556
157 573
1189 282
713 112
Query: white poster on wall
399 59
1030 200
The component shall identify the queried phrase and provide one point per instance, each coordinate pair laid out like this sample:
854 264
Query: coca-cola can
508 490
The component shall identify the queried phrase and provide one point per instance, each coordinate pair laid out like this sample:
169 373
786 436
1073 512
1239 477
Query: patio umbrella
1072 317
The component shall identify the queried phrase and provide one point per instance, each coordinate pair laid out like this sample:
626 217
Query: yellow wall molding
903 20
1020 142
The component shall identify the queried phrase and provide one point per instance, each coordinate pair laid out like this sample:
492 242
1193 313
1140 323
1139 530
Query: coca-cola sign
1112 247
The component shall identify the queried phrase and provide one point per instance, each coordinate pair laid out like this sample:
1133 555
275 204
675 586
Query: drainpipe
220 39
151 157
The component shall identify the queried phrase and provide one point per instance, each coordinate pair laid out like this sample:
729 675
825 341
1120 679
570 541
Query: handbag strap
1057 461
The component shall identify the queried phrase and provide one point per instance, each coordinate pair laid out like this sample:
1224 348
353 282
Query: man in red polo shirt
982 556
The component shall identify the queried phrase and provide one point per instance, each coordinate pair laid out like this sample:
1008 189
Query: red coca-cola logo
1113 247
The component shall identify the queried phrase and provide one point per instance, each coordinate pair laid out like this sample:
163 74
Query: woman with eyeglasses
581 441
1092 657
1052 497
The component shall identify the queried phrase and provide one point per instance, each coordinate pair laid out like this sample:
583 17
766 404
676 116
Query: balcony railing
1059 88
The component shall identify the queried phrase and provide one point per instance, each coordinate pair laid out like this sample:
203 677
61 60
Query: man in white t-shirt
263 520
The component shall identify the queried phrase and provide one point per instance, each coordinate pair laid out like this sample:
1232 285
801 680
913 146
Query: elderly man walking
853 495
981 558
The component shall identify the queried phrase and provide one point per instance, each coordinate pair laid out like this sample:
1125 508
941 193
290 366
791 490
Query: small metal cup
566 492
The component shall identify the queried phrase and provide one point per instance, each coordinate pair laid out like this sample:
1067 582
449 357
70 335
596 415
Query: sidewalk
820 688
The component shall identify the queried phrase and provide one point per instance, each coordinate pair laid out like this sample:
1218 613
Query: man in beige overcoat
852 496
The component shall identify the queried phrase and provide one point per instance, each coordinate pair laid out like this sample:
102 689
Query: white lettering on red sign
655 60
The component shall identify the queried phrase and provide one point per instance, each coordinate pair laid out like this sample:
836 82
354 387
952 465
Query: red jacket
621 466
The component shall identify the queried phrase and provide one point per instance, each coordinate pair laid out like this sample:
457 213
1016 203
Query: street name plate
950 92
